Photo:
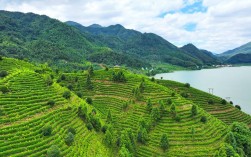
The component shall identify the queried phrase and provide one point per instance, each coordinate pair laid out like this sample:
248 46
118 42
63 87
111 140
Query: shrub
1 58
152 79
89 84
51 103
118 77
108 138
169 101
3 73
104 128
53 151
88 100
203 119
125 106
67 94
47 130
231 102
48 80
4 89
72 130
89 126
187 85
69 139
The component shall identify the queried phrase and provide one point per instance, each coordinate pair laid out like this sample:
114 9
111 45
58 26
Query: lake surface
230 83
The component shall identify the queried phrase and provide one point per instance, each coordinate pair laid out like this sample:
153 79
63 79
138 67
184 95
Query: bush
4 89
53 151
164 143
69 139
194 110
177 118
231 102
1 58
173 94
51 103
47 130
152 79
88 100
3 73
203 119
104 128
72 130
125 106
169 101
89 126
187 85
67 94
70 87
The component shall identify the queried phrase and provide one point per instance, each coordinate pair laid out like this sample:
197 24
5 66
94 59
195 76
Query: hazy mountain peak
95 26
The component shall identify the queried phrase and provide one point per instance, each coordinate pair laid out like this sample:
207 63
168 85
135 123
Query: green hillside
124 115
244 49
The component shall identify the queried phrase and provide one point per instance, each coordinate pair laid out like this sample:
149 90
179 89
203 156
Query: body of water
230 83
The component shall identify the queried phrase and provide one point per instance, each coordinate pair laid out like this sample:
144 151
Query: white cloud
225 25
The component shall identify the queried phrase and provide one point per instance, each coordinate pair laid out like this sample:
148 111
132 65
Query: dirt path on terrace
222 111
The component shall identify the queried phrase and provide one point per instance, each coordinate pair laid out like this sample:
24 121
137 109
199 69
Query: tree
48 80
51 103
164 143
124 152
1 58
109 117
211 102
118 77
192 132
89 84
136 93
69 139
72 130
194 110
173 110
47 130
142 135
162 109
230 139
203 119
169 101
90 70
223 101
155 115
53 151
187 85
125 106
238 107
142 86
108 138
89 100
63 77
3 73
70 87
4 89
67 94
149 105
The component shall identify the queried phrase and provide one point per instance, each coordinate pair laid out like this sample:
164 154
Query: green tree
89 100
149 105
51 103
109 117
69 139
67 94
89 84
47 130
203 119
173 110
72 130
162 109
230 139
3 73
169 101
164 143
53 151
155 115
90 70
194 110
48 80
142 135
124 152
4 89
108 137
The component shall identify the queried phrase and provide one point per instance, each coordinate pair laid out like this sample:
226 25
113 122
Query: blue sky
209 24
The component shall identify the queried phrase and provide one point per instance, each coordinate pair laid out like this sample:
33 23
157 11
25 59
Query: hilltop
112 112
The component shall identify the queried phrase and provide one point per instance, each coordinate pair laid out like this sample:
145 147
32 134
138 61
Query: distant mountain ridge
148 46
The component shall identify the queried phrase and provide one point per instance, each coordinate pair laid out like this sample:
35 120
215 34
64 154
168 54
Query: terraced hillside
116 113
210 103
110 96
25 111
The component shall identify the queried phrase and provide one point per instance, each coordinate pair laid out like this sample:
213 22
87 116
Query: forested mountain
42 39
239 59
147 46
204 56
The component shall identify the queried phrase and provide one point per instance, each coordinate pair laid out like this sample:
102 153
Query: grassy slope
25 112
227 113
108 95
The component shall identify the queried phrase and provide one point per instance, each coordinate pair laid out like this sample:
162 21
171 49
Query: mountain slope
146 46
206 57
244 49
239 59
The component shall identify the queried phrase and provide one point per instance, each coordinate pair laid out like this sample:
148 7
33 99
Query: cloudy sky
215 25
